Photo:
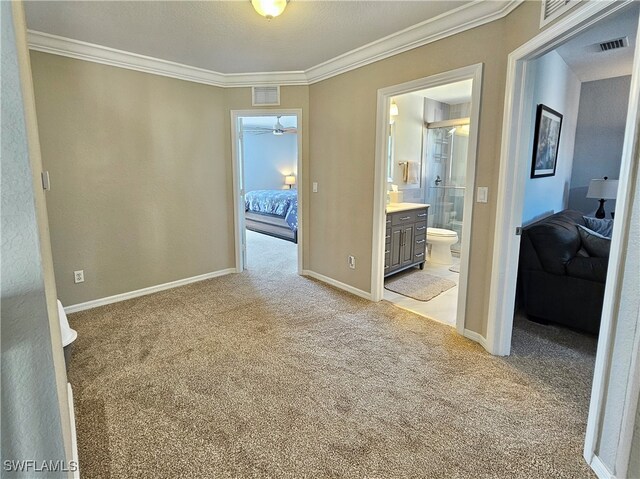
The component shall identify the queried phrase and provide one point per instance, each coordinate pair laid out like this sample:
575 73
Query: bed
273 212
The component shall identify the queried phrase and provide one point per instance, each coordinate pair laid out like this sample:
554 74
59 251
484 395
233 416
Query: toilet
441 241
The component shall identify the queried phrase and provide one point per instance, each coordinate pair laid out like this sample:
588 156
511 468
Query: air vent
265 95
614 44
552 9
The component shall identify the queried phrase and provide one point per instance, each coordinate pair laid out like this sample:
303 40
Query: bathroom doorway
426 158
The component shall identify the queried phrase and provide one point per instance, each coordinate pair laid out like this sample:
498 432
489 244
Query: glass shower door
446 166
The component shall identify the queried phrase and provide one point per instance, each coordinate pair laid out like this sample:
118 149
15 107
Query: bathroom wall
407 144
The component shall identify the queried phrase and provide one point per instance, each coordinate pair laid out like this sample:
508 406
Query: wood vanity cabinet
405 240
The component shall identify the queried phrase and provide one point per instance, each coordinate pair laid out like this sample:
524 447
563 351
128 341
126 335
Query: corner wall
141 174
599 138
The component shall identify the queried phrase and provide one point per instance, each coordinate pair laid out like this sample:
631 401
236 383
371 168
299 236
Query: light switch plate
483 194
315 186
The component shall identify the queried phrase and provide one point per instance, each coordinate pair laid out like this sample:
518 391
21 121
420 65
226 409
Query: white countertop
395 207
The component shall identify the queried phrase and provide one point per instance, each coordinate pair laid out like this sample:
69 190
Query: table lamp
290 180
604 189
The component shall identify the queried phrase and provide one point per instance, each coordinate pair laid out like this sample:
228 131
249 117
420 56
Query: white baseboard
600 469
337 284
477 337
74 437
144 291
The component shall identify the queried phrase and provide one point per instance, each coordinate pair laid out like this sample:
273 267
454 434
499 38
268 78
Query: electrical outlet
352 262
315 186
78 276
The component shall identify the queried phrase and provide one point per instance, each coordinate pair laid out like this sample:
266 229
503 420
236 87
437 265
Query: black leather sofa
557 281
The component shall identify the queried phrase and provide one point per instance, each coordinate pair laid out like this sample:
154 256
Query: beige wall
141 174
141 165
343 115
290 97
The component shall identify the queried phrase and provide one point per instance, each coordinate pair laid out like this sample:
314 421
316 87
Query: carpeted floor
267 374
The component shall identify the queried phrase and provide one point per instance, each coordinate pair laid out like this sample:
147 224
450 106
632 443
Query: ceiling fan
278 129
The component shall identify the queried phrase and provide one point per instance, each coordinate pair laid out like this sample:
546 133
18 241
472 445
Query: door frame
514 168
471 72
238 174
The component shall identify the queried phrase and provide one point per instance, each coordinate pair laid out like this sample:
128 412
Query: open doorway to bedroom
267 167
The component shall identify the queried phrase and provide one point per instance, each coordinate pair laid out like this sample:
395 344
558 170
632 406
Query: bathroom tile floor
442 308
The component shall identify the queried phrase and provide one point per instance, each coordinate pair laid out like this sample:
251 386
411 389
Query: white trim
463 18
74 436
477 337
629 171
600 469
74 308
337 284
67 47
473 72
629 414
237 172
513 167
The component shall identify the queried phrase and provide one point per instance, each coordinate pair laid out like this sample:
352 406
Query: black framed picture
546 142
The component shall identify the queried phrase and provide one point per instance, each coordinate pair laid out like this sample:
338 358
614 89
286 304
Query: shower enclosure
445 174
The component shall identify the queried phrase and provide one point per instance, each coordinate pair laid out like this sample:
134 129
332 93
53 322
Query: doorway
267 167
608 434
437 173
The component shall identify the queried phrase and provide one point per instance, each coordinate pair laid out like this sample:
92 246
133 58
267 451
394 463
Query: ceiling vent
265 95
552 9
614 44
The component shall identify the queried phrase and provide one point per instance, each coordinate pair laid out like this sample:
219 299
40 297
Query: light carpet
418 284
267 374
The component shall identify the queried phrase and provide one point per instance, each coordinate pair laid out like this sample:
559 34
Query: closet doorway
267 166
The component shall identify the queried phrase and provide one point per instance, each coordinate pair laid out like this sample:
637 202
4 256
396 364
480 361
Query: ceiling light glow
269 8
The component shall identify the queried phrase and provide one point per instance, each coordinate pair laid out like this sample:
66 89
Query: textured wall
599 138
557 87
31 416
625 330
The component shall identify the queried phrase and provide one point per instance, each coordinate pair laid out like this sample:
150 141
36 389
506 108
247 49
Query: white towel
413 174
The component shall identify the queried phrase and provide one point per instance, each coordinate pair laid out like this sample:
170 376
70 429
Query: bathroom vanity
405 237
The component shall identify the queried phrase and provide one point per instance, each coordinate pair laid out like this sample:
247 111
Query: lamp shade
289 180
269 8
603 189
393 109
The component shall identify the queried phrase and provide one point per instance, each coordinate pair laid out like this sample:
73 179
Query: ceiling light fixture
269 8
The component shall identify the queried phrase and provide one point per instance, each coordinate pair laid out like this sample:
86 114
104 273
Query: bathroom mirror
405 142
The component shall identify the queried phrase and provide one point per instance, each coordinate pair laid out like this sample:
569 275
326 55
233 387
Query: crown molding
463 18
67 47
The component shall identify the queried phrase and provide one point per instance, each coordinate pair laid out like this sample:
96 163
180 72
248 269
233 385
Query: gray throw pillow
602 226
595 244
